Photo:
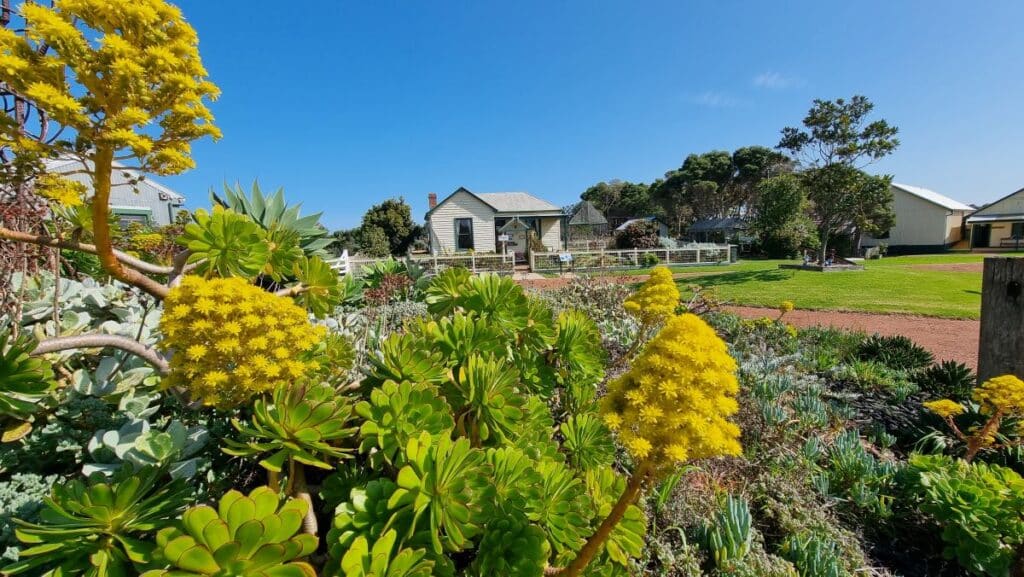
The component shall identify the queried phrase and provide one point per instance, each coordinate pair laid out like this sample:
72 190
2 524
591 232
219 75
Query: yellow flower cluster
945 408
232 339
657 298
785 307
145 85
60 190
1004 394
673 403
147 240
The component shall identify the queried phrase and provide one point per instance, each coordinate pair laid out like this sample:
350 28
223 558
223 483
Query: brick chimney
431 200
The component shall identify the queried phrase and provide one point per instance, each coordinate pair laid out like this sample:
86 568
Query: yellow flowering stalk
63 191
232 340
785 307
999 397
656 300
672 406
126 78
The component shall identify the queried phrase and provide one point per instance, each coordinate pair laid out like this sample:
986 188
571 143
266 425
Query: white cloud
714 99
774 81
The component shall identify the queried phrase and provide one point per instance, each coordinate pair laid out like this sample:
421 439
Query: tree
622 199
716 184
393 222
781 222
844 198
837 141
136 96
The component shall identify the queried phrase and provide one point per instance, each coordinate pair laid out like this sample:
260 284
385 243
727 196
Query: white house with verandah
926 221
493 222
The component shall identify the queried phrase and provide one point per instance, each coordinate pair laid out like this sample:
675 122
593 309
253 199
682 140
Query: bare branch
148 354
292 291
41 240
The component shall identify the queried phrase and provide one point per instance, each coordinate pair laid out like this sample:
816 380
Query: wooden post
1001 347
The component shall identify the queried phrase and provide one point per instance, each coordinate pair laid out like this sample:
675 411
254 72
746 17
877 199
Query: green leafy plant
813 556
947 380
139 445
978 507
225 244
245 535
272 213
446 485
485 400
896 352
511 546
381 560
320 290
565 508
588 442
98 527
397 413
729 536
24 382
308 424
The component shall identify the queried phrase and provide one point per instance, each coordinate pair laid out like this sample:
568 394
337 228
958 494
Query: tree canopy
837 140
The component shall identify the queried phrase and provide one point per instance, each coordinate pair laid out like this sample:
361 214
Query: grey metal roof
67 165
994 218
516 202
932 197
587 214
623 226
717 224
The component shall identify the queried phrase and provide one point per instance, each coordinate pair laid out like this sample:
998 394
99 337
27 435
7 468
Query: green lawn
890 285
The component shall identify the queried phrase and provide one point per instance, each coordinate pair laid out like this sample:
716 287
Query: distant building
146 202
926 221
999 224
662 227
718 230
468 221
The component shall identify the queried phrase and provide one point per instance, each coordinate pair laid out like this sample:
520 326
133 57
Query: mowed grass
889 285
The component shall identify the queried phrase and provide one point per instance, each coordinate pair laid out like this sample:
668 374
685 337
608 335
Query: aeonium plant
998 398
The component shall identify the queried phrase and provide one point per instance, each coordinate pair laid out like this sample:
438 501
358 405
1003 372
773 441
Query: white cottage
926 221
469 221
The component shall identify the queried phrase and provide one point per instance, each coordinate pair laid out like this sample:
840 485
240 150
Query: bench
1011 243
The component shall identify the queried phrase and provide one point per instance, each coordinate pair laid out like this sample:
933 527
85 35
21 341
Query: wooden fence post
1001 347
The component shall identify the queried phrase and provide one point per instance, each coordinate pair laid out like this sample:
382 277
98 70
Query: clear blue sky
345 103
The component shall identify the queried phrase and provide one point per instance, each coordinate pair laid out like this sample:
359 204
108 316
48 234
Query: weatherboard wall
461 205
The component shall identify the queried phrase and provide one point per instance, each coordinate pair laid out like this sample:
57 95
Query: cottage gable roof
506 202
587 214
517 202
933 197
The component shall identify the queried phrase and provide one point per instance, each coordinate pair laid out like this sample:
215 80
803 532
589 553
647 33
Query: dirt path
945 338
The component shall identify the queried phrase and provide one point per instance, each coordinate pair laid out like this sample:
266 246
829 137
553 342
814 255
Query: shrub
650 259
895 352
639 234
950 379
978 507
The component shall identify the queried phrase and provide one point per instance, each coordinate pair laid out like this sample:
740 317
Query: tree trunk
593 545
1001 347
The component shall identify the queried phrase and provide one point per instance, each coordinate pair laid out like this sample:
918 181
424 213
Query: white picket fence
433 264
590 260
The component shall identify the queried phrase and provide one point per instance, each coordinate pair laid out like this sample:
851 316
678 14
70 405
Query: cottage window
1017 230
464 234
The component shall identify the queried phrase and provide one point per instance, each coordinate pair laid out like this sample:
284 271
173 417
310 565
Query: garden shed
586 224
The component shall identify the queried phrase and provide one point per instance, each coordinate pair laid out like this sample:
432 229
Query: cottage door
981 235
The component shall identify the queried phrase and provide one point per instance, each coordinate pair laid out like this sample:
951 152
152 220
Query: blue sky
347 103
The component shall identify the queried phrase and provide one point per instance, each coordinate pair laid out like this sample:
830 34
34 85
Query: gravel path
946 338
